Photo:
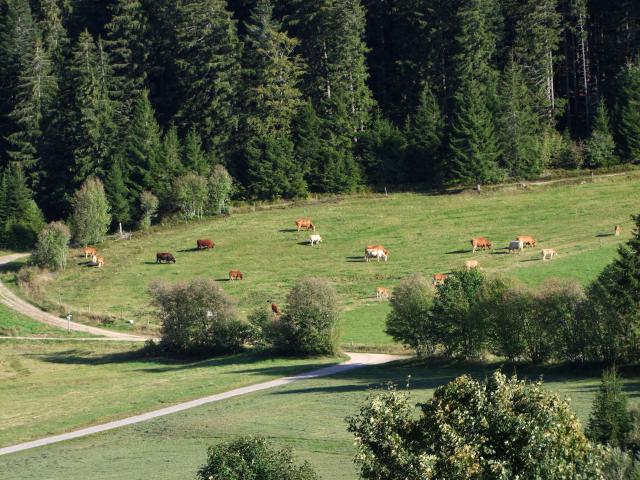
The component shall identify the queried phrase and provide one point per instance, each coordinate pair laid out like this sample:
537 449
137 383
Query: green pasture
14 324
48 387
424 233
306 416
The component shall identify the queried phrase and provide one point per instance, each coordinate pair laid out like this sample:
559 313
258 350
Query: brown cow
617 230
235 275
527 240
165 257
439 278
100 261
480 243
382 293
305 223
206 244
275 309
89 251
469 264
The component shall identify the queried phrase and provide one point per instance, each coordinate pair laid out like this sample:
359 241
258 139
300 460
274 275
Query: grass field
51 387
308 417
13 324
423 233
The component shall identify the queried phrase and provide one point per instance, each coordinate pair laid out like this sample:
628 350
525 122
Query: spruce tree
628 117
171 155
474 145
600 148
424 132
54 33
195 158
36 90
118 193
520 125
610 421
21 219
208 59
143 148
309 145
381 150
127 44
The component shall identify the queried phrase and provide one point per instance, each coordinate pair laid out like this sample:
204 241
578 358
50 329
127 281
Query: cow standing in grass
276 310
469 264
315 239
617 230
439 278
548 253
165 257
90 252
480 243
205 244
527 240
382 293
516 246
235 275
376 253
305 223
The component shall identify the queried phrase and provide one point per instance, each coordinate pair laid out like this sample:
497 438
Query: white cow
376 253
548 253
315 239
516 246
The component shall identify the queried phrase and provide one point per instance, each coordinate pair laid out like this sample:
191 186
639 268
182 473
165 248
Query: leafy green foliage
190 194
52 249
91 213
253 458
220 189
499 428
149 204
600 148
198 317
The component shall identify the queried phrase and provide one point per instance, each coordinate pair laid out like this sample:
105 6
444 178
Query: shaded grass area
14 324
425 233
307 416
48 388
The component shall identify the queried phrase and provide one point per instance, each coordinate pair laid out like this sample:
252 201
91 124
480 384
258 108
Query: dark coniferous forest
299 96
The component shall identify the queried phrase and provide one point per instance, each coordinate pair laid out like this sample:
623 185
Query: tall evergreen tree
118 193
95 130
520 126
171 154
424 132
309 145
474 144
209 63
54 33
600 148
36 90
610 421
195 158
381 150
628 112
127 44
143 148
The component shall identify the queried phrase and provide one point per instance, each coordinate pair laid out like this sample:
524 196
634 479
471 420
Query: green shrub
610 421
90 219
500 428
619 465
309 324
190 194
252 458
198 317
52 249
220 189
149 204
410 321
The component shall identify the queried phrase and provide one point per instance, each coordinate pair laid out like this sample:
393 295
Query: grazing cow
439 278
376 253
305 223
275 309
382 293
527 240
548 252
516 246
235 275
165 257
617 230
205 244
480 243
100 262
89 251
469 264
313 239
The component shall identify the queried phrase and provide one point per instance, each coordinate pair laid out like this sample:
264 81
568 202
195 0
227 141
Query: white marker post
69 316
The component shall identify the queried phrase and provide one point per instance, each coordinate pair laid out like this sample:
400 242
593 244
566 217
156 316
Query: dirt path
356 360
12 301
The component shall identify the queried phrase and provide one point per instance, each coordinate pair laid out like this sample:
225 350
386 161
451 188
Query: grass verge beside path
307 416
13 324
49 388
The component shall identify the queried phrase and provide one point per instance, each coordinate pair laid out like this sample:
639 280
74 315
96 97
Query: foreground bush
410 321
309 325
250 458
501 428
198 317
52 249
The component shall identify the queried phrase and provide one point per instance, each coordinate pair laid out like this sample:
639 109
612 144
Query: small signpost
69 317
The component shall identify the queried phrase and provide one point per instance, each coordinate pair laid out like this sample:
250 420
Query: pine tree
628 117
95 129
209 64
520 126
424 132
118 193
36 90
54 33
171 154
195 158
381 150
474 144
127 44
309 145
610 421
600 148
143 148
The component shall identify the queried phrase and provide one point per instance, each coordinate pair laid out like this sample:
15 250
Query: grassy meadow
49 387
306 416
14 324
424 233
